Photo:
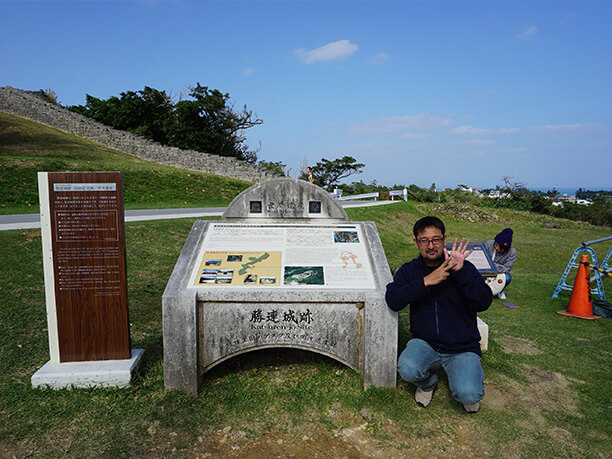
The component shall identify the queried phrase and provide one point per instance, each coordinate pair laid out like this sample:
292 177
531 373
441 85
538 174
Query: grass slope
27 147
547 376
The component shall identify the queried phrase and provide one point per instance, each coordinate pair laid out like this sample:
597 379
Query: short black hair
503 249
424 222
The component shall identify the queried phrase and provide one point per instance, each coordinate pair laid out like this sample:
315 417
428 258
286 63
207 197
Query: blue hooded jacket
444 315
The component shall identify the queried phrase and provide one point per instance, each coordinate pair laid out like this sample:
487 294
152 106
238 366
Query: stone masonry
31 105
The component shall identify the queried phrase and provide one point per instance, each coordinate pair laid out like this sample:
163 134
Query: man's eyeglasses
424 242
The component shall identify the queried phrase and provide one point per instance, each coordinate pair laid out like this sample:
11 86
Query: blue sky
421 92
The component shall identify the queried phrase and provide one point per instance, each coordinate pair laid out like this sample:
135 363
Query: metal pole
585 244
597 268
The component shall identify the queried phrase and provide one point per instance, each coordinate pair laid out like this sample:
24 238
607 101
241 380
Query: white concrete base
483 329
93 373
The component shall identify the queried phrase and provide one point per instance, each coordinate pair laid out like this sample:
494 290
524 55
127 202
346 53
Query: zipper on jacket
436 311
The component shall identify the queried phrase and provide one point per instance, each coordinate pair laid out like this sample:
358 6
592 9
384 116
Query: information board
283 256
480 257
83 234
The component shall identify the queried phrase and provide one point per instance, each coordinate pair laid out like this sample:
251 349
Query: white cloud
495 152
513 150
397 124
378 59
249 71
566 127
473 131
475 154
480 142
469 130
568 17
527 34
329 52
413 136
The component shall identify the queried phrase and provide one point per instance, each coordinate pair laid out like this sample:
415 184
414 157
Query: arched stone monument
283 268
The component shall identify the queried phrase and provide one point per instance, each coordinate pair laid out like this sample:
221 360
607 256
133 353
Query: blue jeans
419 364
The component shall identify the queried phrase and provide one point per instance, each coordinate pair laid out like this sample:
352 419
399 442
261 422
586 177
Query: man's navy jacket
444 315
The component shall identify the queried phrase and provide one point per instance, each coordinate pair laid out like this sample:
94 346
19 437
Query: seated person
503 255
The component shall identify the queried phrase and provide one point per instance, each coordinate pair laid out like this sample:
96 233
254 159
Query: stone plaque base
98 373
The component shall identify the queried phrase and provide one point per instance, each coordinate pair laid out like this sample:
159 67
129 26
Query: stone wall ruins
31 105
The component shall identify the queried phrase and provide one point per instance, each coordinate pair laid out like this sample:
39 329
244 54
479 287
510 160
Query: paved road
27 221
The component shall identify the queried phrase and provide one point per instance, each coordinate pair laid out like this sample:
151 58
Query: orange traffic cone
580 304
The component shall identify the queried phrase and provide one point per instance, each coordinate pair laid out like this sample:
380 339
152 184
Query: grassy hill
27 147
547 376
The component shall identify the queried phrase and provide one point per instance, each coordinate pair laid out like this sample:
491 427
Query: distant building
468 189
498 194
571 199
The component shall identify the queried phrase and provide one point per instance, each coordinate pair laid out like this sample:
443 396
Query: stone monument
283 268
83 241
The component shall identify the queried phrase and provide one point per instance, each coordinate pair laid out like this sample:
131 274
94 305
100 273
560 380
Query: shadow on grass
271 358
151 361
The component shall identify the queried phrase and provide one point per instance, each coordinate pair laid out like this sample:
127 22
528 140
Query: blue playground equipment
605 266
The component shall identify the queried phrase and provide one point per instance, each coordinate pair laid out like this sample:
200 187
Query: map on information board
283 256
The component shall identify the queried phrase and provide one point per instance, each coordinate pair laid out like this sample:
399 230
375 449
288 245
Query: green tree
207 122
276 167
552 193
147 112
601 195
360 187
328 173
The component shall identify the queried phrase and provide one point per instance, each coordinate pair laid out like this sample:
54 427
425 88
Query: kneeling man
444 292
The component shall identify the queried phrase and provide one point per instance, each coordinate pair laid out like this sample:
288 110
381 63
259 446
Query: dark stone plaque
86 223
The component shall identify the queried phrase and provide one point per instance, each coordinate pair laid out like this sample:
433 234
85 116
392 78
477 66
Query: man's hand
457 255
439 274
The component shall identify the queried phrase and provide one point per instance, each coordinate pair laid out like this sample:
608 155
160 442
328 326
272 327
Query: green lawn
547 376
27 147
